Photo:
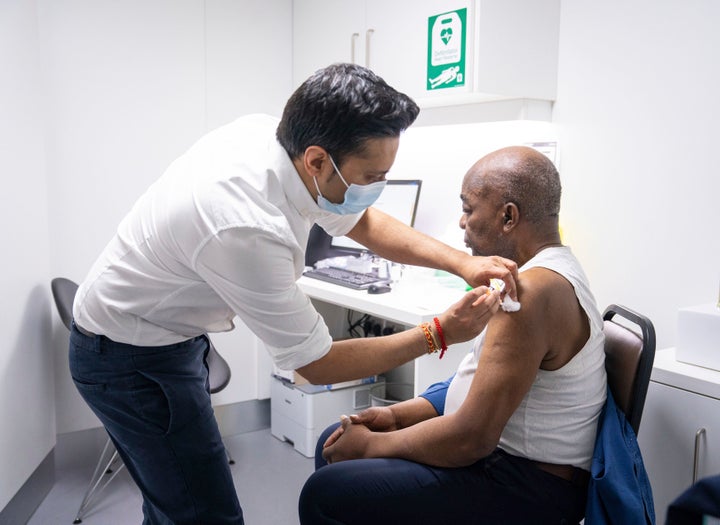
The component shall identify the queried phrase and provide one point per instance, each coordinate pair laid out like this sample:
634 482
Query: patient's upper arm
516 343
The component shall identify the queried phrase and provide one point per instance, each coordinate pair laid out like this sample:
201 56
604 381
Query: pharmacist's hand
470 315
352 443
479 270
378 419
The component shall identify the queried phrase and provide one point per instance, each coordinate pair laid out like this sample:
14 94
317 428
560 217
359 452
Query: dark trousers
499 489
155 404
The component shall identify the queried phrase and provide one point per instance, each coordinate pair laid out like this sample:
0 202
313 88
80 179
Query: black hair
341 106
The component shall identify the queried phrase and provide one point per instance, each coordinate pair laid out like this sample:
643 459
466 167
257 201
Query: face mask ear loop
316 186
337 171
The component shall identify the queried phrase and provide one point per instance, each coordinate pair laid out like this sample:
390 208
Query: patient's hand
379 419
351 442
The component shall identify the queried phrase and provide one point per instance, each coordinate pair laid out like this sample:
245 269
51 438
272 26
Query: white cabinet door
325 32
398 42
670 421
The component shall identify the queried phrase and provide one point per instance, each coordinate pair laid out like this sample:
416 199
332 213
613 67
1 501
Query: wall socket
373 327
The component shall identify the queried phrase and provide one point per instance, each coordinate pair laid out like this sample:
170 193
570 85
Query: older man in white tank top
510 439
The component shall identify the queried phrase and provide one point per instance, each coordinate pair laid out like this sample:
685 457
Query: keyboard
344 277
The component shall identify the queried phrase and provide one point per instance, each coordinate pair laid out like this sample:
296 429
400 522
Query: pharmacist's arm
363 357
395 241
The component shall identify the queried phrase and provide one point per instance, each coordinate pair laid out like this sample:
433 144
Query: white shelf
470 108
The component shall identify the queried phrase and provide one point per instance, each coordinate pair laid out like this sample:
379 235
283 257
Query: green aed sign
446 50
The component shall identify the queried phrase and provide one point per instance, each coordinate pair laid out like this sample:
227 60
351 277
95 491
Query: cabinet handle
368 34
353 39
696 458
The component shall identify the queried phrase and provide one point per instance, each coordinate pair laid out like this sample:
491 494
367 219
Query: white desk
410 303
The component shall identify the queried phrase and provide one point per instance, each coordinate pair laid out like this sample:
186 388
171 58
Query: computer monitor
399 199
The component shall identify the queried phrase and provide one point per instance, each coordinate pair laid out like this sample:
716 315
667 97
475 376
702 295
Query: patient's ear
511 215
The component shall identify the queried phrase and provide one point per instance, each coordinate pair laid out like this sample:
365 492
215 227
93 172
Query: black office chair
629 357
109 463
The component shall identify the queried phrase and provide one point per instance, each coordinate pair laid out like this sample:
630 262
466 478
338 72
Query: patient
509 439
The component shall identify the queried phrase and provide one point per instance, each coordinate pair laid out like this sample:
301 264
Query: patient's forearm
440 441
412 412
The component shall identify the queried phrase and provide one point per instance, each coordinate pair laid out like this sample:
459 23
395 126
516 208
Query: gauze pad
508 305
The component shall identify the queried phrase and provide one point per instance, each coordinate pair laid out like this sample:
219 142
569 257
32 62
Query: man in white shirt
223 233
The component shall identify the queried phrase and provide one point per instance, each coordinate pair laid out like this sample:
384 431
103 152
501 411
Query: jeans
155 404
500 489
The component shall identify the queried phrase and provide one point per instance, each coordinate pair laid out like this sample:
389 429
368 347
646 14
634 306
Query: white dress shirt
221 233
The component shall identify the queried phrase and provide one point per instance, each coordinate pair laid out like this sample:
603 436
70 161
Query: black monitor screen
399 199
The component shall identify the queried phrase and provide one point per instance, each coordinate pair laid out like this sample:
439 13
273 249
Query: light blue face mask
357 197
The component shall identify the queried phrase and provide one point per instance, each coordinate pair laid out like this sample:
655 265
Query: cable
360 323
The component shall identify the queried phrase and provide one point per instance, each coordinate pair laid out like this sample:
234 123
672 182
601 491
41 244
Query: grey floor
268 476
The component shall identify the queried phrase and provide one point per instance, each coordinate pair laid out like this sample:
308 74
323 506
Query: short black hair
341 106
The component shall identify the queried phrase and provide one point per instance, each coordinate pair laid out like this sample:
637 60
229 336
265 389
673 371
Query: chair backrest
629 357
218 370
63 291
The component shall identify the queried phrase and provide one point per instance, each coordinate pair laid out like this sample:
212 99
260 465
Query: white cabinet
511 46
680 430
398 42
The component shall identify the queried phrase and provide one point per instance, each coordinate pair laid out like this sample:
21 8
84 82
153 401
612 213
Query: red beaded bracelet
441 336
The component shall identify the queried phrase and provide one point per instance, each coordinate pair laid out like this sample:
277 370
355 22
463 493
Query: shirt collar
295 191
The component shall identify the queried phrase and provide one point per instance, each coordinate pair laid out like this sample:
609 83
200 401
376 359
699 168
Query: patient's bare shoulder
540 289
550 299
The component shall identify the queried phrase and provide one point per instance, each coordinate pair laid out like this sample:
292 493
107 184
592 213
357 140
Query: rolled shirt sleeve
255 274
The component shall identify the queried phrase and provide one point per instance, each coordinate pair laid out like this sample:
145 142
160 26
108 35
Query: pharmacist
222 233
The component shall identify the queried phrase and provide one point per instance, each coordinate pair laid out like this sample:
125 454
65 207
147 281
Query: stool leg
229 456
97 485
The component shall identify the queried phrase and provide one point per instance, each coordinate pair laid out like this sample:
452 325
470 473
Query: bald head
521 175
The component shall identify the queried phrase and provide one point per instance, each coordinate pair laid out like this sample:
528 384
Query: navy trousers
499 489
155 404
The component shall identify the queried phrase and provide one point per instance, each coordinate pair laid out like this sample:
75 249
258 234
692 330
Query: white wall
441 155
636 115
97 98
27 412
132 85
